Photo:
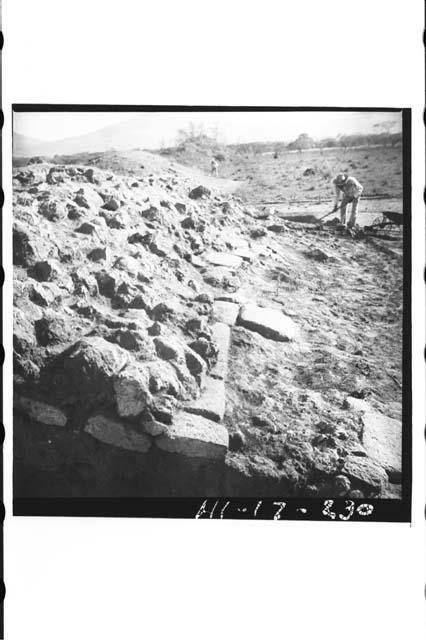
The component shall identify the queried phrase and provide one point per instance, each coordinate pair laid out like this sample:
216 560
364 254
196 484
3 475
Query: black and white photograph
210 303
213 321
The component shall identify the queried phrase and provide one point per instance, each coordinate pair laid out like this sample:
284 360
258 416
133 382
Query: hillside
173 339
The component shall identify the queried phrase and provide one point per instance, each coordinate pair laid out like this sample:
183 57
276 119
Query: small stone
137 341
41 411
97 254
194 362
204 347
163 378
342 484
199 192
53 210
42 295
131 387
277 228
154 329
318 255
181 207
153 214
162 312
42 271
86 228
237 441
258 232
91 176
205 298
163 408
106 283
111 204
166 350
356 494
50 330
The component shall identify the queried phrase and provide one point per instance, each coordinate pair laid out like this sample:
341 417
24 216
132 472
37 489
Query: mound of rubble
115 335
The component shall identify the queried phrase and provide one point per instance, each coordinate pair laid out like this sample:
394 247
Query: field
307 175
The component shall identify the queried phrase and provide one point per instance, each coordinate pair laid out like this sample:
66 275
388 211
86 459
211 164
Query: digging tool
334 210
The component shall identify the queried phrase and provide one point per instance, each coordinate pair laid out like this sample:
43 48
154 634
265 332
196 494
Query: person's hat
340 178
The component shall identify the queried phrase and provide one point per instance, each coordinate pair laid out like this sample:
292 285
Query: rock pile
112 336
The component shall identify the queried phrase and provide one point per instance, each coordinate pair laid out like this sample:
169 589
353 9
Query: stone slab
211 403
382 439
226 312
222 336
117 434
270 323
357 404
223 260
41 411
365 471
195 436
245 254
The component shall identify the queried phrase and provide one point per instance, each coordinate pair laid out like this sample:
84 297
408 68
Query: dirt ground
289 398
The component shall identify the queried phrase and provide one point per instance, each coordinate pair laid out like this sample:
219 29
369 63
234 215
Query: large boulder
86 370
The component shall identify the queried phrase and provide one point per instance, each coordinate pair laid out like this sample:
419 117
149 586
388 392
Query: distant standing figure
350 190
214 167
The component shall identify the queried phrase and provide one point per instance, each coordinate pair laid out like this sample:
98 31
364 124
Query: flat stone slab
224 260
245 254
270 323
195 436
222 336
211 403
357 404
226 312
365 471
41 411
117 434
382 439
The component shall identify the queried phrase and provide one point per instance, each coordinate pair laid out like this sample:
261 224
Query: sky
162 128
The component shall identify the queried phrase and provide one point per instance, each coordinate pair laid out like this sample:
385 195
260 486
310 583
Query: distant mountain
130 134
